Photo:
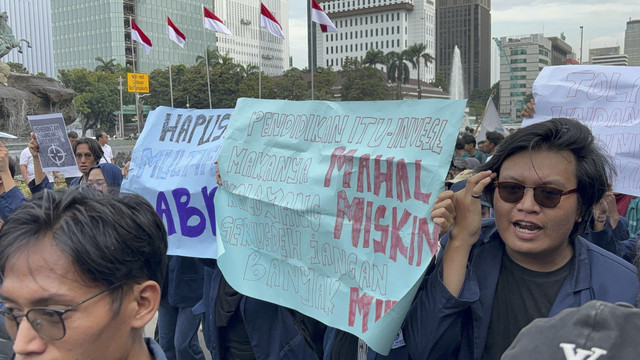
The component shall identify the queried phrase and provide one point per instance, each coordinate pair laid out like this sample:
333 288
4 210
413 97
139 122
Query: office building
632 42
37 30
560 50
466 24
522 58
250 43
387 25
83 31
608 56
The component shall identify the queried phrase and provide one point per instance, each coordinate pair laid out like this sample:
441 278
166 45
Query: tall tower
31 20
632 42
83 31
387 25
250 43
466 24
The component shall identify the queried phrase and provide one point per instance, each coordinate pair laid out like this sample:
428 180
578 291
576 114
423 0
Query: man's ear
146 297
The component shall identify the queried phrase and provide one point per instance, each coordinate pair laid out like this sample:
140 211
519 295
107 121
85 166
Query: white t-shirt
27 159
108 154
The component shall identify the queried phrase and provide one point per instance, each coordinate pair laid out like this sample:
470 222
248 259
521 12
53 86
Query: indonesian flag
212 22
319 16
139 36
269 22
175 34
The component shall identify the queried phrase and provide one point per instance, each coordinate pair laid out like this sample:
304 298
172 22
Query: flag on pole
212 22
175 34
490 121
139 36
269 22
318 15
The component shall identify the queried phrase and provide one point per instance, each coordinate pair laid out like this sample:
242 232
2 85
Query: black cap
596 330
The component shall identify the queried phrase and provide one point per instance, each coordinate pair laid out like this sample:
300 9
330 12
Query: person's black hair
12 167
459 143
108 239
469 139
94 148
72 134
494 137
594 168
99 134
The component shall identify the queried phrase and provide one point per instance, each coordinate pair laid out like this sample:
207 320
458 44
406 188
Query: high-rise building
466 24
31 20
522 59
608 56
83 31
250 43
387 25
560 50
632 42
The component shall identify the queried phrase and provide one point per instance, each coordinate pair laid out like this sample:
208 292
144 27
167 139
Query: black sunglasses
544 195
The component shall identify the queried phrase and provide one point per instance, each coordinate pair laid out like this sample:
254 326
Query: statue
7 40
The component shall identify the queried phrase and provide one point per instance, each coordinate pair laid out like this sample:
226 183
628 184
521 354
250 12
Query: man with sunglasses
81 274
493 277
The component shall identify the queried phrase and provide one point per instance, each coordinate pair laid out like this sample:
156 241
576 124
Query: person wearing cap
596 330
492 277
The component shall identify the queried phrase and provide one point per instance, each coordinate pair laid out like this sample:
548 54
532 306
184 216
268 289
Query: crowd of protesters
530 229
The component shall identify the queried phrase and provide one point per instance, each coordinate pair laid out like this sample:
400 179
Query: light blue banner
324 206
172 166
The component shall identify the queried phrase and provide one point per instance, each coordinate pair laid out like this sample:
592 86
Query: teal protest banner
172 166
324 206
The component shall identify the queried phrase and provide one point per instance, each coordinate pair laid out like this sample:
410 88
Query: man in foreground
81 274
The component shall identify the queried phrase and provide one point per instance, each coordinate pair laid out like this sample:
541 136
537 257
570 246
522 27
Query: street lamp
140 107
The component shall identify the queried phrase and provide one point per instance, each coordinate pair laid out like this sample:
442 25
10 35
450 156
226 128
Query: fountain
456 83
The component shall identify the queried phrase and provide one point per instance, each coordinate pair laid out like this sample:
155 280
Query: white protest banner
56 153
604 98
172 166
324 206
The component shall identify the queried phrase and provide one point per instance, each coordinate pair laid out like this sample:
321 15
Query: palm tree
212 55
416 52
247 70
106 66
398 70
374 57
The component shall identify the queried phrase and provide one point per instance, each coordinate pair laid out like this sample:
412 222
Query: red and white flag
269 22
139 36
318 15
212 22
175 34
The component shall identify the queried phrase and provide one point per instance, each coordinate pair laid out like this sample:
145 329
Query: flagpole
206 58
483 113
311 43
170 85
135 81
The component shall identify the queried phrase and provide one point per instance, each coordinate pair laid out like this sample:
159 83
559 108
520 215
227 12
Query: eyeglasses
47 322
544 195
99 184
86 156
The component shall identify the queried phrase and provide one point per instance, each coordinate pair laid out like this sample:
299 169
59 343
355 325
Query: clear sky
604 22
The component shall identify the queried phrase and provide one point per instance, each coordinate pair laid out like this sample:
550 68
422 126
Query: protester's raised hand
467 214
218 178
4 159
125 169
612 208
529 109
34 147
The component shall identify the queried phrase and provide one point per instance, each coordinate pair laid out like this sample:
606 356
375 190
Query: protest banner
55 153
324 206
172 166
604 98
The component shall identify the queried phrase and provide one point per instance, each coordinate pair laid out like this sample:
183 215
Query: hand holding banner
324 206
